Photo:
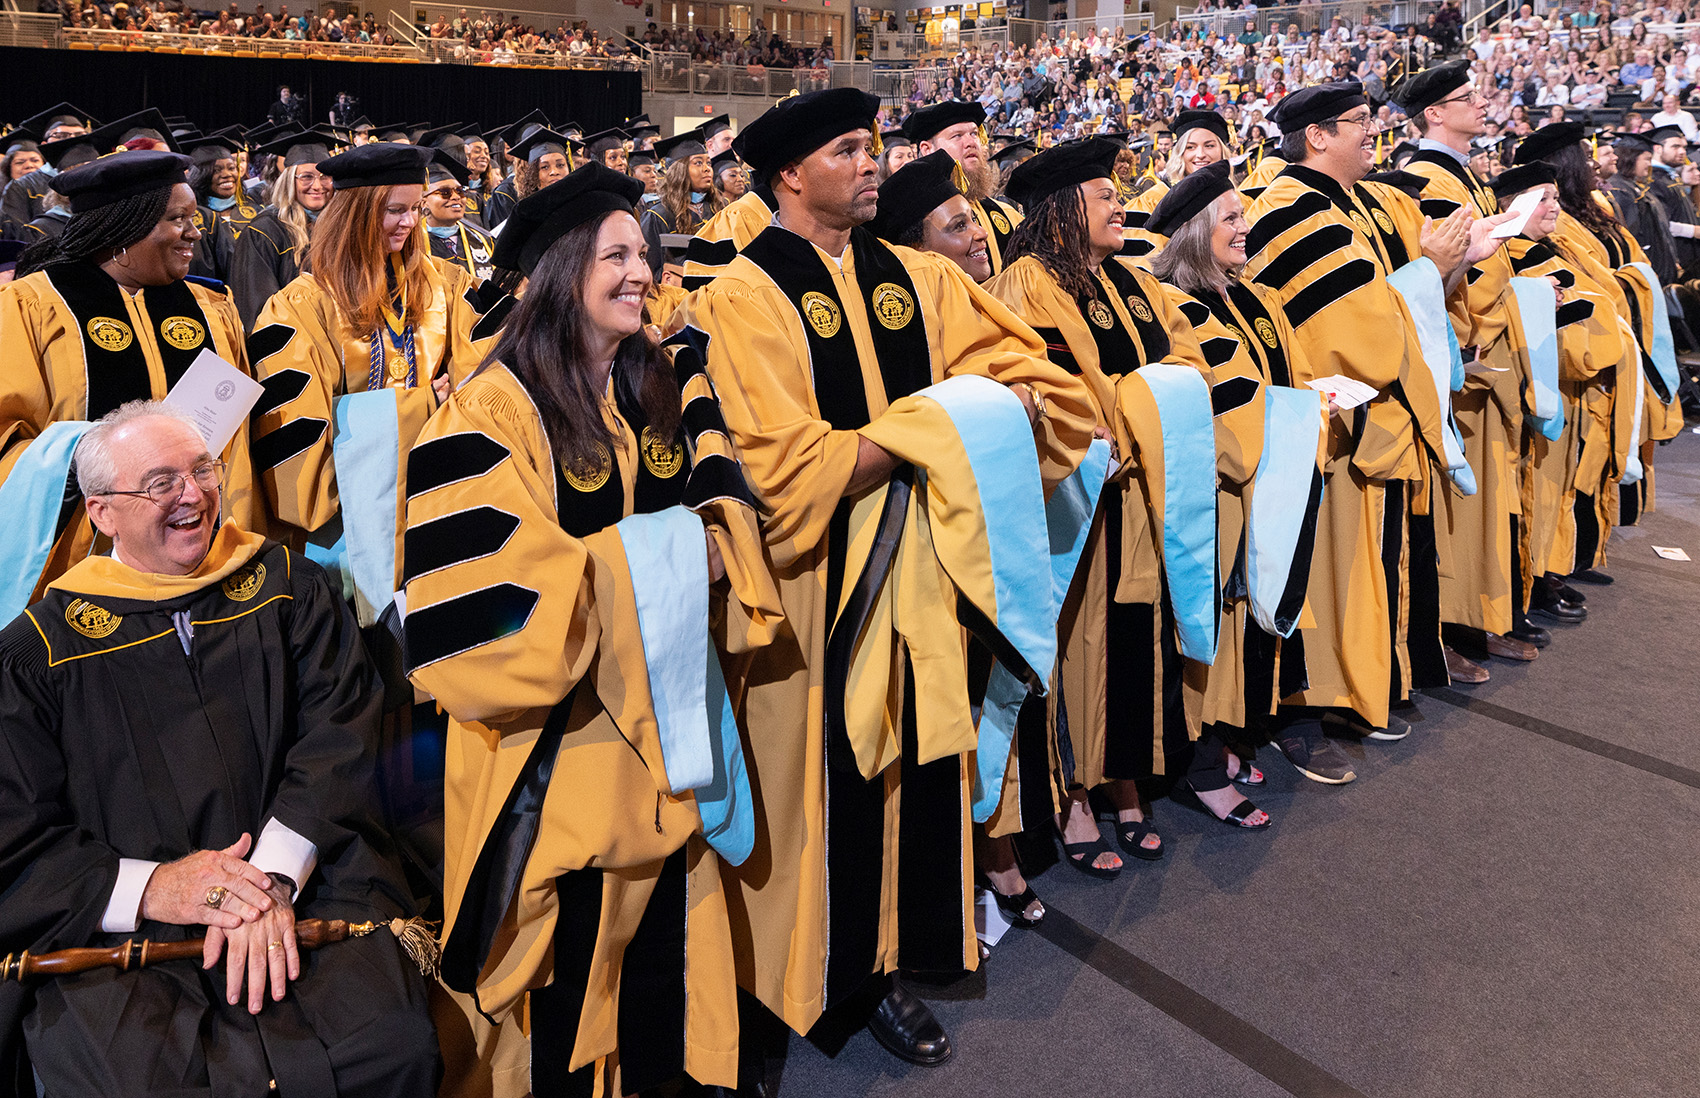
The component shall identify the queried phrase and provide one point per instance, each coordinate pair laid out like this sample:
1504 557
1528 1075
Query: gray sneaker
1318 759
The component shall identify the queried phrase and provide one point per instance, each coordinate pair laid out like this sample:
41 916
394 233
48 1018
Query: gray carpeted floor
1506 904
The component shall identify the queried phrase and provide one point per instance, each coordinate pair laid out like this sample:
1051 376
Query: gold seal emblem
1361 222
244 583
592 476
893 305
1239 335
1265 331
1383 220
663 460
1099 313
822 314
182 332
90 620
109 334
999 221
1138 308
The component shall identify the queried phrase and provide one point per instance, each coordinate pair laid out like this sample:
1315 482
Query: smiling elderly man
163 707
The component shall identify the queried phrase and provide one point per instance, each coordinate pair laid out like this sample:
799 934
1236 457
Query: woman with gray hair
1270 438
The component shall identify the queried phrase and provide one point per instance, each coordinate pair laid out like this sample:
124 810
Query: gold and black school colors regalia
154 716
850 877
1596 347
722 236
263 260
220 230
1116 711
569 862
23 200
307 357
500 204
1325 253
466 246
75 346
1268 442
999 219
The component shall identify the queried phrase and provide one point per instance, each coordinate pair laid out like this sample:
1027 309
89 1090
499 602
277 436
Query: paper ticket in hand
1345 392
217 396
1524 208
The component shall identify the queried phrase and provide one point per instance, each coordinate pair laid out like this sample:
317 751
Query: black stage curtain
213 92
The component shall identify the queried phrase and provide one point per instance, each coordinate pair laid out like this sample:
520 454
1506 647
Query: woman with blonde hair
267 254
372 312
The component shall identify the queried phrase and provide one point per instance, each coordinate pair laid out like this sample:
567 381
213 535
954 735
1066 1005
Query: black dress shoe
1570 594
1593 576
1531 634
907 1029
1560 612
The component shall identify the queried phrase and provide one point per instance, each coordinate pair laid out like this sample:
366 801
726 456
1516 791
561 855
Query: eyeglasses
167 488
447 192
1472 97
1367 121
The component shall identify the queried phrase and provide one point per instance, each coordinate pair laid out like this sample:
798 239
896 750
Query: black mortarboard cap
612 137
445 165
300 147
913 192
927 121
1317 103
377 165
724 160
1190 197
800 124
539 143
213 147
119 176
687 144
890 138
1200 120
538 221
1399 179
1014 150
110 136
1514 181
718 124
1546 141
1658 135
514 132
640 156
1061 167
1426 88
1632 143
58 114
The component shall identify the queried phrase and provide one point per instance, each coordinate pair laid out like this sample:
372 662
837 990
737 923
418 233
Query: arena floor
1501 906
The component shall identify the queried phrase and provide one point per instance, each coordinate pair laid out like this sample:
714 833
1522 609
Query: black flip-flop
1236 817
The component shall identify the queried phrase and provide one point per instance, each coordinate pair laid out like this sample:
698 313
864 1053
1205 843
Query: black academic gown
1641 215
24 200
500 204
149 729
262 262
1673 198
468 248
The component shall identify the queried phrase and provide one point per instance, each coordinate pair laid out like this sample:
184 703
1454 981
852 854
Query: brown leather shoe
1508 649
1464 670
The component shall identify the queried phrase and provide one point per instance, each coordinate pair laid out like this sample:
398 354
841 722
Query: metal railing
1132 25
541 20
917 47
677 74
1309 17
233 45
31 29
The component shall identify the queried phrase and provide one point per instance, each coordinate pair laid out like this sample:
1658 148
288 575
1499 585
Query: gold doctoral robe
1246 336
580 893
849 877
1478 534
724 235
1325 253
1594 344
77 346
306 356
1000 217
1119 675
1259 178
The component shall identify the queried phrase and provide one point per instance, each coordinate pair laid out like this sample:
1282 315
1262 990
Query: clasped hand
254 923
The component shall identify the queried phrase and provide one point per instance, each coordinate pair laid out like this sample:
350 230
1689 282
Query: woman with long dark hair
686 186
99 316
574 510
1609 492
1121 636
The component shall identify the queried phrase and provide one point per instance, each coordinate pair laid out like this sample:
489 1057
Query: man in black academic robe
199 693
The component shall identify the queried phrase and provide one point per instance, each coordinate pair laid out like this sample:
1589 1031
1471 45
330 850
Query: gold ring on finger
216 895
273 945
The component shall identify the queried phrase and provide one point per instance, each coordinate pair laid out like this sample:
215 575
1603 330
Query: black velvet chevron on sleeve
270 451
268 341
1273 224
466 622
1328 289
1236 392
456 539
279 389
1219 350
1195 311
1307 250
450 459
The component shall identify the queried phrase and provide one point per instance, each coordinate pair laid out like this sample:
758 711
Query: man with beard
812 335
1479 535
1328 248
1670 153
1630 191
955 126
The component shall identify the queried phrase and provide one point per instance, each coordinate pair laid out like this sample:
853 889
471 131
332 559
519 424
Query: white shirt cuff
281 850
124 909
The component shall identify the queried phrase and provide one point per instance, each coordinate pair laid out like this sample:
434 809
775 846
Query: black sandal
1183 793
1130 834
1088 853
1016 906
1248 774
